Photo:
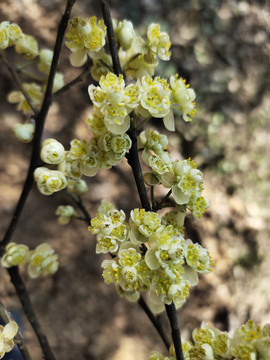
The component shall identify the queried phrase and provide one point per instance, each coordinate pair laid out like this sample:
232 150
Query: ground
222 48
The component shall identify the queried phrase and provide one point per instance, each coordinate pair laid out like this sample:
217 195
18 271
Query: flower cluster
182 177
7 334
85 37
41 261
249 342
151 253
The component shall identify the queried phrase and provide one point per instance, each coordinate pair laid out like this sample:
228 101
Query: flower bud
24 132
52 152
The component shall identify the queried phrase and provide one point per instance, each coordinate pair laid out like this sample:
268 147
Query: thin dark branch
154 321
176 335
111 38
134 162
40 120
18 82
71 83
7 317
78 201
29 312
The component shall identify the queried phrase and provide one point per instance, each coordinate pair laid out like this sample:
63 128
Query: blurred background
222 48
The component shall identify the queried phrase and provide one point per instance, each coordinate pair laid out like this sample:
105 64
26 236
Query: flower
158 42
155 97
15 254
42 261
49 181
85 37
35 93
124 33
52 151
9 34
24 132
65 213
45 60
7 334
27 45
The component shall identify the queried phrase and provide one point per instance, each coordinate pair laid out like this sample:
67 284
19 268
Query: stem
111 38
18 339
134 162
71 83
159 204
80 204
40 120
29 312
154 321
17 80
175 330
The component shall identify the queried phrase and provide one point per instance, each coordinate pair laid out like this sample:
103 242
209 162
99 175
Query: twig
78 201
111 38
71 83
7 317
29 312
17 80
175 330
40 120
154 321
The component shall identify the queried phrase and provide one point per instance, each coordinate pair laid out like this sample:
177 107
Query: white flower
52 152
24 132
7 334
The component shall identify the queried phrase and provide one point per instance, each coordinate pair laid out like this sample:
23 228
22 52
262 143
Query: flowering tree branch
40 121
133 160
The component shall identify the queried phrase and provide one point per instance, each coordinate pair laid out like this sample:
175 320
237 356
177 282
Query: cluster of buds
182 177
249 342
41 261
151 253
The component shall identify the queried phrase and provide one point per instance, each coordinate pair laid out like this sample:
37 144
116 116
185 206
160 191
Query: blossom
15 254
42 261
65 213
78 186
9 34
142 225
153 140
155 97
45 60
27 45
115 101
52 151
35 93
158 42
85 37
24 132
49 181
124 33
197 257
183 97
7 334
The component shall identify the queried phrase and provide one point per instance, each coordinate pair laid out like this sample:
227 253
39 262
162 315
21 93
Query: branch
18 82
71 83
78 201
29 312
111 38
176 335
7 317
154 321
133 160
40 121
